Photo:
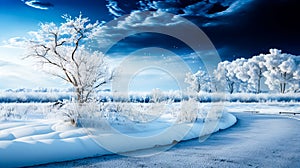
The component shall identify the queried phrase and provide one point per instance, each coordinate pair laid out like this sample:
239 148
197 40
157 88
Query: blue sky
237 28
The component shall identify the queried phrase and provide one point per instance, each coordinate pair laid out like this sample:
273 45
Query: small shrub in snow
157 96
147 112
188 111
12 111
8 112
85 114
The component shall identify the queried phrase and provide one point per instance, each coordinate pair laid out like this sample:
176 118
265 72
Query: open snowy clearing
257 137
257 140
28 142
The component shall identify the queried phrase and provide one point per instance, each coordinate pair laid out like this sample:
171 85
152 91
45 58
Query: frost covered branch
62 52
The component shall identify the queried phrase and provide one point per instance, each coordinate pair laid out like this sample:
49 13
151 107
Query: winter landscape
147 83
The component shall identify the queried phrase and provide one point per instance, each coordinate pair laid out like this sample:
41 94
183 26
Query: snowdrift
26 143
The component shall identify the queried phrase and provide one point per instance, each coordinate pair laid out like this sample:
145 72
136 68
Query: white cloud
38 4
138 22
114 9
16 72
148 20
14 42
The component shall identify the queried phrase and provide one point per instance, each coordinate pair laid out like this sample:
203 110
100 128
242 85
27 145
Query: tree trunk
258 86
259 81
79 94
198 88
283 85
231 89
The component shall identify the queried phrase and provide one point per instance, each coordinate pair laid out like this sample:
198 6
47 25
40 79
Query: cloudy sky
237 28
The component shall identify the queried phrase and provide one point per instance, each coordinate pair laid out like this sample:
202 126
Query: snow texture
33 142
255 141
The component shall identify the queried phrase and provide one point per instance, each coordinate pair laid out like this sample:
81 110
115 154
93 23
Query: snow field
25 142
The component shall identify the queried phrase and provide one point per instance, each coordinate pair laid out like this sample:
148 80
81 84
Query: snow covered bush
23 111
157 96
188 111
83 114
8 112
142 112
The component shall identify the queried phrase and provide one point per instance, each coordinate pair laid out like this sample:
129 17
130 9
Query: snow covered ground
257 140
266 108
37 139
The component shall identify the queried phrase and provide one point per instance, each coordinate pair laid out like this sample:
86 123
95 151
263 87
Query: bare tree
62 51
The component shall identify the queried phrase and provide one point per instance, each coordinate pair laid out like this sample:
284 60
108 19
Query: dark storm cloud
204 13
38 4
256 29
238 28
202 8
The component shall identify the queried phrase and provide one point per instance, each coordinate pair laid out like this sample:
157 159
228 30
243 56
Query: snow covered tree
194 80
281 69
157 95
62 52
227 74
295 86
221 74
235 70
199 81
256 70
252 73
214 84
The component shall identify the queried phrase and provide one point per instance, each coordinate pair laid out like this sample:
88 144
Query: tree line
280 72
